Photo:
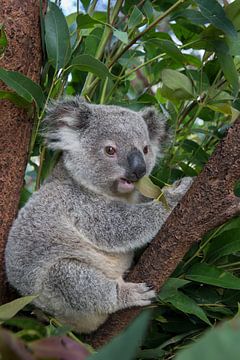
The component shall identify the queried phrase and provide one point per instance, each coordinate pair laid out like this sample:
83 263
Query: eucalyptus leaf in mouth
147 188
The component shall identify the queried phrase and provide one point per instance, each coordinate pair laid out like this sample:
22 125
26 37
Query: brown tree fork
209 203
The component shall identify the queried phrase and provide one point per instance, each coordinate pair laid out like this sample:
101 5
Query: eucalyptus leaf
220 343
89 64
212 275
170 294
57 37
125 345
147 188
24 87
225 244
176 81
233 13
135 18
7 311
86 4
85 21
215 14
228 67
15 99
121 35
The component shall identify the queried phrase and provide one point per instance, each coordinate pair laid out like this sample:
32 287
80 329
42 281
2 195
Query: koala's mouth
125 185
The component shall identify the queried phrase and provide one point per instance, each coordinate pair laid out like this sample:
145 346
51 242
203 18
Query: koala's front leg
124 227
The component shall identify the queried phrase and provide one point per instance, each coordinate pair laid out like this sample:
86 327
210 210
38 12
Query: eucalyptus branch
100 51
90 85
151 26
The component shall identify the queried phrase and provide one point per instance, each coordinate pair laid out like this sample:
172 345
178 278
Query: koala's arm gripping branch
209 202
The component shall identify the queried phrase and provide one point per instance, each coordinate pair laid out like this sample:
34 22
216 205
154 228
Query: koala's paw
133 294
179 187
185 183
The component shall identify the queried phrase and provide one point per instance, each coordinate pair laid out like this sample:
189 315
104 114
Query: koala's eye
145 149
110 150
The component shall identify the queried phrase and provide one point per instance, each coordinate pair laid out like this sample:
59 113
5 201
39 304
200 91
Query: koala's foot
134 294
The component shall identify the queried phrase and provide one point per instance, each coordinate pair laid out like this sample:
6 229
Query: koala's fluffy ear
157 126
65 120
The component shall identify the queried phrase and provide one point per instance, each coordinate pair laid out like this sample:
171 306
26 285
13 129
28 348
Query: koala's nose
136 164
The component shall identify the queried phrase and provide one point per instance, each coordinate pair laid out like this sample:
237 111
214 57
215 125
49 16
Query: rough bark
209 202
23 54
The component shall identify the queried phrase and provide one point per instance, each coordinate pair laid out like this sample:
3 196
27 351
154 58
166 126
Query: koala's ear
157 125
65 120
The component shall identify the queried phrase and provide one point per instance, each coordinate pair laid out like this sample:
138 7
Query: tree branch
23 54
209 203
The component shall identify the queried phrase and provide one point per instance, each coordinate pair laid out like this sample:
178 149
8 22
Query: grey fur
74 239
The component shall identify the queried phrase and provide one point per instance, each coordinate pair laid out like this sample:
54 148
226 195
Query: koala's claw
132 294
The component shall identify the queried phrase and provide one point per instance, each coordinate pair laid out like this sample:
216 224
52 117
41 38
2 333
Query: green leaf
24 197
232 224
199 156
215 14
148 11
3 39
14 98
121 35
85 21
91 45
180 301
211 275
85 4
57 37
173 284
7 311
225 244
23 86
187 169
90 64
135 18
223 108
168 47
220 343
125 345
71 18
192 15
147 188
233 13
177 83
227 64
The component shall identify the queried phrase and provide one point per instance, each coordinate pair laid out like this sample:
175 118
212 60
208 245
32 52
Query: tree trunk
209 203
23 54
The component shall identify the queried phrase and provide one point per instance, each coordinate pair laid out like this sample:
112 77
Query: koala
74 240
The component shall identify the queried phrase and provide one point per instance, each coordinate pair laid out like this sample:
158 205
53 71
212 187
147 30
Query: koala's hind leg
83 297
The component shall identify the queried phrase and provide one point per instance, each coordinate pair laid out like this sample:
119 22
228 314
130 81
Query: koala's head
106 148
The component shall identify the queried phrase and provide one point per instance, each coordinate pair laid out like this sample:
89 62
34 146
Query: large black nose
137 166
